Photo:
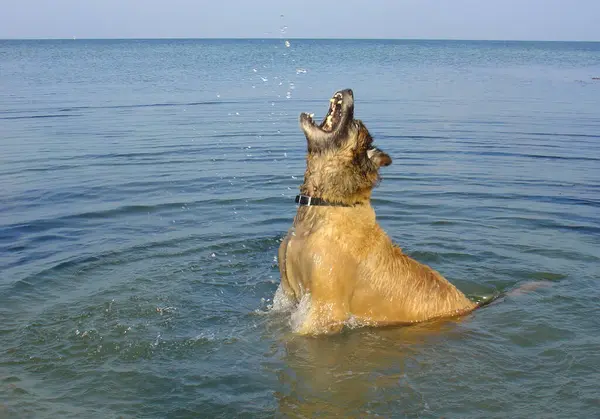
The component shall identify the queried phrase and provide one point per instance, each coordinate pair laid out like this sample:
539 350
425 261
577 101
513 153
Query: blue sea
145 186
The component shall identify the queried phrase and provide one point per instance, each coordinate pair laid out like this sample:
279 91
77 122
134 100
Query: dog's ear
379 157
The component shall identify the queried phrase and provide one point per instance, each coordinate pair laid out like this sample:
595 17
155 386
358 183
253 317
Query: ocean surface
145 186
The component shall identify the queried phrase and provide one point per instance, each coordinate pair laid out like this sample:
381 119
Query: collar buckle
303 200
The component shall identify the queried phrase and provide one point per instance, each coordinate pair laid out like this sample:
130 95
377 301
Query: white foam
299 311
298 316
281 302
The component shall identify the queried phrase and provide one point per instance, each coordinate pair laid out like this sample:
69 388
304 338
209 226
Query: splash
299 315
299 311
281 302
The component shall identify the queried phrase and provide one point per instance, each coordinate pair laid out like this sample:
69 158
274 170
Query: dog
337 265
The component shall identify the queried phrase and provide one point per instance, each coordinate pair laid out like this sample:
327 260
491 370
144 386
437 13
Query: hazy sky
438 19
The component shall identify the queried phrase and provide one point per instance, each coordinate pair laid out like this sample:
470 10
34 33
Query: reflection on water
358 373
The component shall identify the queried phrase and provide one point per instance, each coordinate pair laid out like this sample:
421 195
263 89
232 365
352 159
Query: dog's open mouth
334 114
341 107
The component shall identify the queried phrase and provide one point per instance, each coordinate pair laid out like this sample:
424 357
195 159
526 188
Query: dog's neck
309 201
330 180
323 196
311 218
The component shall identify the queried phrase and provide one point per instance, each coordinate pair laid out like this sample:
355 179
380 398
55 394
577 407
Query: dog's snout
346 93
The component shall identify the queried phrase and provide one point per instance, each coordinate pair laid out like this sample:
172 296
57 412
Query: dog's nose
349 92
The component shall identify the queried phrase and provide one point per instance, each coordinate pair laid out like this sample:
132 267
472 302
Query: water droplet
287 44
212 255
288 95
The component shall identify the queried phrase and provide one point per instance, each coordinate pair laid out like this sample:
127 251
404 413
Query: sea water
145 186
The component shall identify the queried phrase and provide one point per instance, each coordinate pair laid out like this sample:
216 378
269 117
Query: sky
573 20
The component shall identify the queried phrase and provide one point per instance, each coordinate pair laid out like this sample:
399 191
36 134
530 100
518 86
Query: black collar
309 201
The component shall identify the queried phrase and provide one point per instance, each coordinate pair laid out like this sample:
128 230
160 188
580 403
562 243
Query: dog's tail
486 300
483 301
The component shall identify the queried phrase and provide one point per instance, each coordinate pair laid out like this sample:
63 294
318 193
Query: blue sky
429 19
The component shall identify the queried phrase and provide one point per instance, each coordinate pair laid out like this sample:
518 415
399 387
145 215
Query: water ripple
146 190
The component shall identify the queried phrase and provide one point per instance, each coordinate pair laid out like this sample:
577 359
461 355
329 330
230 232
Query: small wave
39 116
229 244
550 134
546 276
552 224
445 223
425 256
41 225
559 253
502 154
149 105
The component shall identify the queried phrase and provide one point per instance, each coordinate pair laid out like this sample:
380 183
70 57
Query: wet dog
337 265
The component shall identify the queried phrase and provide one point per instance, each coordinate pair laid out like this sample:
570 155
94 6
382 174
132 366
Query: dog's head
342 163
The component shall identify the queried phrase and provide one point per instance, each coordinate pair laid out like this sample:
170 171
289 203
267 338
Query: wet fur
339 262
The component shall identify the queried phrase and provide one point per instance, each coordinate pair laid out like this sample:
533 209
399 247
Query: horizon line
291 38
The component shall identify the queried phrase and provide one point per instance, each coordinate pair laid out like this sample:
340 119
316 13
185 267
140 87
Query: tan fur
342 261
